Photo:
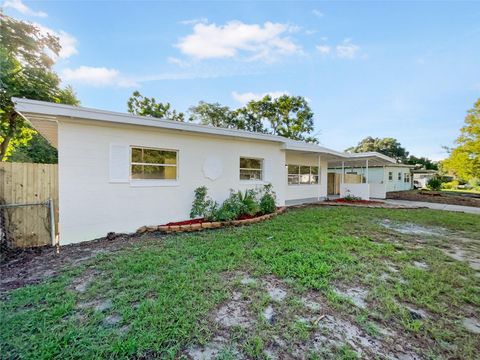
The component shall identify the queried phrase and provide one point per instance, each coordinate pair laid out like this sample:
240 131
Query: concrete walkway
435 206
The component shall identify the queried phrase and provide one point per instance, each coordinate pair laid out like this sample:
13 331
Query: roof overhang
45 116
360 160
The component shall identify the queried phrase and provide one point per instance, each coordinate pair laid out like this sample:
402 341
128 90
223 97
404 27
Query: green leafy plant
250 205
268 200
434 183
203 205
451 185
231 208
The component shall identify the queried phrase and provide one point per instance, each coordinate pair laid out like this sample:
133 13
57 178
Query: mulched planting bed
434 197
200 224
346 201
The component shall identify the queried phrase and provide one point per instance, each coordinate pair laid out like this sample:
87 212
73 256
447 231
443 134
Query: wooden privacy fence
22 184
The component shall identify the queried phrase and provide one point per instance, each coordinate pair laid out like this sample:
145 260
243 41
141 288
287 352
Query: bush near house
434 183
451 185
238 204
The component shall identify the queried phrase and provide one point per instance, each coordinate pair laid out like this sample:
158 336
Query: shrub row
249 203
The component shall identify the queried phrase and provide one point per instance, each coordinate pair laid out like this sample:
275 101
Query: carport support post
366 174
318 177
343 172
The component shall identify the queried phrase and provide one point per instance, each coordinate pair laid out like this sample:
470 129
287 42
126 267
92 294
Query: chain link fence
26 225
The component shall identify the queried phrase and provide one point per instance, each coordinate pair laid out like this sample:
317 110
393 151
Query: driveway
435 206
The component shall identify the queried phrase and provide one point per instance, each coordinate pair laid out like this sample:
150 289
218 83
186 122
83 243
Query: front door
331 184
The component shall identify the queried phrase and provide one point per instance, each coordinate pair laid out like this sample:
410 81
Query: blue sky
407 70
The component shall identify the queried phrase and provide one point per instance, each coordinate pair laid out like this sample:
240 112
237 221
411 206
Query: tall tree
26 62
464 159
138 104
37 150
288 116
387 146
213 114
424 162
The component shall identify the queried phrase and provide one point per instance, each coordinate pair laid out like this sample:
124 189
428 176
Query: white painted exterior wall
358 190
310 191
378 191
91 204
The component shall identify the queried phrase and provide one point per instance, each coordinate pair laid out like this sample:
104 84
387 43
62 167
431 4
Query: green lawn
162 297
465 191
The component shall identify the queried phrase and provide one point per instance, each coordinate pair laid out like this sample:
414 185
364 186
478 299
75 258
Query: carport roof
45 116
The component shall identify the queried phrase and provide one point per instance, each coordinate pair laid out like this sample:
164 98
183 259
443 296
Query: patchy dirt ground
384 296
436 197
289 325
453 244
31 266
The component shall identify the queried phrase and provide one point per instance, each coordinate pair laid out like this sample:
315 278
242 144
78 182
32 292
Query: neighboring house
421 177
396 177
118 171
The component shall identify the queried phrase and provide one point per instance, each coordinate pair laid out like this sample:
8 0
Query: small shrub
230 209
237 204
451 185
473 184
203 205
350 197
268 200
250 204
434 183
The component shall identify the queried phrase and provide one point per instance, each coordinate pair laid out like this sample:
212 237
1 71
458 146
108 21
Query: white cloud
194 21
323 49
317 13
261 42
244 98
67 41
68 44
19 6
97 76
178 62
347 50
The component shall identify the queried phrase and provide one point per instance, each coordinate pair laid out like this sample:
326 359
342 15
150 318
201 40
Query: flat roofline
42 112
27 106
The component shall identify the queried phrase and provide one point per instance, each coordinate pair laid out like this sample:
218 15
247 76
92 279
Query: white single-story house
118 172
395 177
421 177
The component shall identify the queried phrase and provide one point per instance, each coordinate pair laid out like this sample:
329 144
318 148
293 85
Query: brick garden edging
207 224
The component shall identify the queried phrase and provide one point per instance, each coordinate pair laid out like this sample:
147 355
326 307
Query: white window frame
390 176
153 182
303 184
399 176
406 177
262 169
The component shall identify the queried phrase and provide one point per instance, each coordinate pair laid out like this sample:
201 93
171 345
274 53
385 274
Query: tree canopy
26 59
212 114
387 146
464 159
424 162
138 104
288 116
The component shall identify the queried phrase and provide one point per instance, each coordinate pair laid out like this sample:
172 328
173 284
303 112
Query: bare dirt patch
355 294
324 329
440 197
31 266
412 229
